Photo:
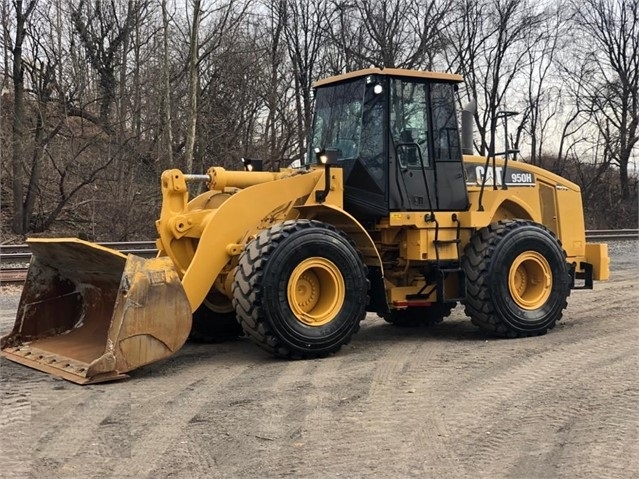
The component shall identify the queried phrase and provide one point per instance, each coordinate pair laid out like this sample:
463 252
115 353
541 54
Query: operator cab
396 137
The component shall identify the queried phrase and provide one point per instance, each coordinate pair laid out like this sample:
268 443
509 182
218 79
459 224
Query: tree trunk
122 101
278 16
6 77
18 116
137 96
166 103
193 88
623 178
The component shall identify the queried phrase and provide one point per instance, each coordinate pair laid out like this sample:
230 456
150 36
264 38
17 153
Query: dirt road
443 402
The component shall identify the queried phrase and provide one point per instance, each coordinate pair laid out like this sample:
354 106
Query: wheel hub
307 290
316 291
530 280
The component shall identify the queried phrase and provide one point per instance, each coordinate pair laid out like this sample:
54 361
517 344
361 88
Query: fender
348 224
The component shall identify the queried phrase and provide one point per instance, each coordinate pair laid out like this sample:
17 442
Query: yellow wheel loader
390 213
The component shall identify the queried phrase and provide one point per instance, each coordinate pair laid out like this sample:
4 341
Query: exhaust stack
467 118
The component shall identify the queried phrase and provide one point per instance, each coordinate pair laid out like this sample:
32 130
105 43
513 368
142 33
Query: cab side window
409 123
446 141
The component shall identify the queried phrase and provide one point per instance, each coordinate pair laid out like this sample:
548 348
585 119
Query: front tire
300 289
517 279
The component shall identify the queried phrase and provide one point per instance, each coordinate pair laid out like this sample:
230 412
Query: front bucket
90 314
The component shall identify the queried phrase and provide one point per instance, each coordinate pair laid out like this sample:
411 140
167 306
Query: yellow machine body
237 206
90 314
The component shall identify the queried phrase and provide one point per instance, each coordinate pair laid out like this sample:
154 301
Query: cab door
424 154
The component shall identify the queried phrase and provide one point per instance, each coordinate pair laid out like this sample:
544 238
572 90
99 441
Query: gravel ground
445 402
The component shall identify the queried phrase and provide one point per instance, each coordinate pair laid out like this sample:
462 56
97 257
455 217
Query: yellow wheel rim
530 280
316 291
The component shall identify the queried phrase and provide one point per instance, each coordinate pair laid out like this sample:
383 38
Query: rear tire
517 279
300 289
419 316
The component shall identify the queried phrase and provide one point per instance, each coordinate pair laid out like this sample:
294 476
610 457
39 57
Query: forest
98 97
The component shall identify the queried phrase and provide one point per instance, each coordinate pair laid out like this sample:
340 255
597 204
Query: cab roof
398 72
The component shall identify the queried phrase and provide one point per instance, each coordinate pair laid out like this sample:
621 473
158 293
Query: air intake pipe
467 118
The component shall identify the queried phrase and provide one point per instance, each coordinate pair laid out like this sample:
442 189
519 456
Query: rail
612 235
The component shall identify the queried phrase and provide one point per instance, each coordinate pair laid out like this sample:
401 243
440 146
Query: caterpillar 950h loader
390 214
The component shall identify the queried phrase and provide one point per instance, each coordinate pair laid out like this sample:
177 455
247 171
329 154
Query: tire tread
247 289
476 261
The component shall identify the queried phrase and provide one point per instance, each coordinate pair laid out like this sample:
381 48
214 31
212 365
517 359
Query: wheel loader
390 213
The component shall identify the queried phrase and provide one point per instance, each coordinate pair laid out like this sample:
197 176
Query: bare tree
304 38
391 34
41 70
610 62
102 33
6 45
194 84
212 81
544 87
488 45
122 101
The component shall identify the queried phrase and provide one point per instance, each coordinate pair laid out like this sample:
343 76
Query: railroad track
12 276
19 255
611 235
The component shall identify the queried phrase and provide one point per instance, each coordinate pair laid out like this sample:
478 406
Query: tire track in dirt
15 422
376 425
600 418
504 419
164 410
393 403
89 431
393 414
287 415
270 413
122 429
319 434
367 416
327 404
308 429
252 412
23 391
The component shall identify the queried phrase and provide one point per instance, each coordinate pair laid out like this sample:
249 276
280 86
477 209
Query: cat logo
491 176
